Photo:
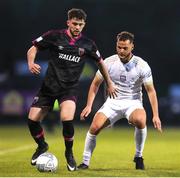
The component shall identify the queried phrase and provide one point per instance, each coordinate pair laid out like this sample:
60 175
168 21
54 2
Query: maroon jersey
66 61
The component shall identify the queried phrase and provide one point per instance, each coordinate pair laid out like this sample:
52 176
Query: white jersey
128 77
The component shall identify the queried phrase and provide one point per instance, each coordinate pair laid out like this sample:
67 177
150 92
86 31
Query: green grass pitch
112 157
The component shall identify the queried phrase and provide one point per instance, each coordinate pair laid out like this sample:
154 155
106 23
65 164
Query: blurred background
156 27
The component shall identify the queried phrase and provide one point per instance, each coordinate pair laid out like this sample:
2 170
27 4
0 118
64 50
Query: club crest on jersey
81 51
122 78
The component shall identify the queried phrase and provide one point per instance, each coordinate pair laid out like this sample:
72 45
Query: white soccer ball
47 162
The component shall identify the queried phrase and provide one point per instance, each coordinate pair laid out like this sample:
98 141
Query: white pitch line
17 149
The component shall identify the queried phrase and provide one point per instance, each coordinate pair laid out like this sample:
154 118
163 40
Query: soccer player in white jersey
129 73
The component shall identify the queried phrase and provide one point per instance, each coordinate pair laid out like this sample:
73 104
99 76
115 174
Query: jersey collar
130 64
72 41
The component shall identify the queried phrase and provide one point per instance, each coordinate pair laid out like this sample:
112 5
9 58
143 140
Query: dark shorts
42 100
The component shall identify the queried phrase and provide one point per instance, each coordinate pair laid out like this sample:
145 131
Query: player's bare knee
94 129
140 123
34 117
37 114
66 116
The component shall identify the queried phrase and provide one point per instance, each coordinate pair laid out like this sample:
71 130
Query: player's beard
125 58
74 33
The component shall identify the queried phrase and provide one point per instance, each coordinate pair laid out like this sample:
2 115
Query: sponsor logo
69 57
70 168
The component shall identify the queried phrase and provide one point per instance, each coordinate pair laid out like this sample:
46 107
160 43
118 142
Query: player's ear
67 23
132 46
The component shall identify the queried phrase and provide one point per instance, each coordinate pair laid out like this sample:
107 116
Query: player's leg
138 119
67 115
34 118
39 109
107 115
99 122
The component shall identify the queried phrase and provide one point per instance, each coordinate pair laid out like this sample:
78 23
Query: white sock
140 138
90 144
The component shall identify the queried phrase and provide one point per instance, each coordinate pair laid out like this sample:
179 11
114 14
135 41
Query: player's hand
85 112
157 123
34 68
112 91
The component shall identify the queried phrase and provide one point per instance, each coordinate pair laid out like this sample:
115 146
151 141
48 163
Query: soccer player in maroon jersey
69 49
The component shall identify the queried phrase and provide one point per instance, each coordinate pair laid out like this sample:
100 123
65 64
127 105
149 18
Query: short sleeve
43 42
94 53
147 74
98 73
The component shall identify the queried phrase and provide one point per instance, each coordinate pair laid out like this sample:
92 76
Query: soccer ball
47 162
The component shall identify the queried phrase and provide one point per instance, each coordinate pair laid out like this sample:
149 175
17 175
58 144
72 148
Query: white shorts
115 110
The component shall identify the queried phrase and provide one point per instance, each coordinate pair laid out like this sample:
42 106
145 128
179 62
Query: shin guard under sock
68 134
36 131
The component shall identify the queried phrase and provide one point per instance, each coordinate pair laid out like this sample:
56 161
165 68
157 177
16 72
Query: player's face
124 49
75 26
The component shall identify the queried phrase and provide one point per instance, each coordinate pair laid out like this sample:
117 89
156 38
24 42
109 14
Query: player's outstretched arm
91 96
31 55
154 105
111 89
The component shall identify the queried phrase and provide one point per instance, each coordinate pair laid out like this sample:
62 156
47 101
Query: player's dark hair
123 36
77 13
